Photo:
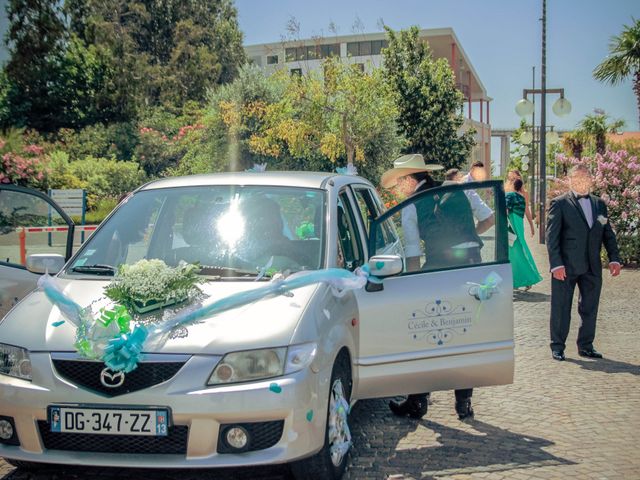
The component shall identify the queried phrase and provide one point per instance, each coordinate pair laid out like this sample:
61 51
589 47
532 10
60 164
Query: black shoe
415 406
557 355
464 409
590 352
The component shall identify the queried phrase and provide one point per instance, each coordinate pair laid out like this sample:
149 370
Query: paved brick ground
575 419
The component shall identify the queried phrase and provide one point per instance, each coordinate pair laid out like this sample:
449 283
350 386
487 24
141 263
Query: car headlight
254 365
15 362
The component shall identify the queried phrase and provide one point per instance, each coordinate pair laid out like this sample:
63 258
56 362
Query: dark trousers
461 395
589 286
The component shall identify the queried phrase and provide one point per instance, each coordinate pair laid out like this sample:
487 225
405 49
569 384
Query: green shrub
116 140
104 179
103 207
629 250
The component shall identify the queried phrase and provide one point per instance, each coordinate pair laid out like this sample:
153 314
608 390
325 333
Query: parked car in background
268 382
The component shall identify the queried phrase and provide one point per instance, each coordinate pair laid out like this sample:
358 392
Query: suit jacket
570 241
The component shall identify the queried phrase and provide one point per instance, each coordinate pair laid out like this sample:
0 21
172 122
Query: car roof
274 178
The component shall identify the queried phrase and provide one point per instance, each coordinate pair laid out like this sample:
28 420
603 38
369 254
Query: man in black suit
577 227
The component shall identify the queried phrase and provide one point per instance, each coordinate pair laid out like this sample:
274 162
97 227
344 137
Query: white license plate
107 421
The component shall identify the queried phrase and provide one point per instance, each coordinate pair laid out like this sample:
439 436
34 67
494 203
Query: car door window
454 226
348 237
30 224
370 207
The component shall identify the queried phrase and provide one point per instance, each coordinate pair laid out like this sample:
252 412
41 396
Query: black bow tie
579 197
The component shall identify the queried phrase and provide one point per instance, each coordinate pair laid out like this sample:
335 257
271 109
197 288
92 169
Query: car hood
266 323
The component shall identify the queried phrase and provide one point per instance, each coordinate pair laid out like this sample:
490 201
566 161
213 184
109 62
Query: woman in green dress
525 272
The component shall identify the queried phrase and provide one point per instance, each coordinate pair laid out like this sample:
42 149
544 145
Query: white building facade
304 56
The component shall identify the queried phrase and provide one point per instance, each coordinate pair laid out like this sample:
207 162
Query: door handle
485 290
481 293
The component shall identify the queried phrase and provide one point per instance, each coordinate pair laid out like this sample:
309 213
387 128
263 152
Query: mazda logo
111 379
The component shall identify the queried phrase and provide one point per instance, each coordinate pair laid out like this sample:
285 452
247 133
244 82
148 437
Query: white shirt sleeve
480 209
409 219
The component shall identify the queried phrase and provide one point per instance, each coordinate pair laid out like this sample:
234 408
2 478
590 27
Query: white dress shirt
481 210
409 219
585 204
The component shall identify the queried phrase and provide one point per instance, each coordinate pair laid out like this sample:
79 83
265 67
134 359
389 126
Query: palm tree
623 60
597 126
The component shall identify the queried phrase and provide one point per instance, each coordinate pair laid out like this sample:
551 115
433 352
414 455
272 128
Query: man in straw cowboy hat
410 175
442 223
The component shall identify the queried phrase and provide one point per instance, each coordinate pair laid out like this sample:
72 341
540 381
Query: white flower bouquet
150 284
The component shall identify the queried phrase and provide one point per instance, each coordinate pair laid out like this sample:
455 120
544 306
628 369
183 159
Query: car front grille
175 442
262 434
86 373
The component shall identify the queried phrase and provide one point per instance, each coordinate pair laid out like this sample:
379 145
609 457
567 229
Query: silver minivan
268 382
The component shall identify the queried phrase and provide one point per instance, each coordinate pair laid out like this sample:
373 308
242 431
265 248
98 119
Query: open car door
30 223
445 322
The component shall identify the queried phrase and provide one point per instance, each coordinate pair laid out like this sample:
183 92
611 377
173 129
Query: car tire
331 461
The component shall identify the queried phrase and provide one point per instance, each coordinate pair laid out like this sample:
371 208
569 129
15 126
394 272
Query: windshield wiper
226 272
98 269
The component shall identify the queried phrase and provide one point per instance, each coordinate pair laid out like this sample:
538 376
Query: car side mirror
385 265
45 263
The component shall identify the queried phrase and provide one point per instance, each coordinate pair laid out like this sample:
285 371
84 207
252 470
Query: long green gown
525 272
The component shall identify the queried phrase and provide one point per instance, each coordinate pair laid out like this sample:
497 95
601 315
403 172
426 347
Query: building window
331 50
377 46
368 47
296 72
311 52
272 59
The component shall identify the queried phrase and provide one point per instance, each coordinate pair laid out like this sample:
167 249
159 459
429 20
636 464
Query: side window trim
502 248
345 197
366 193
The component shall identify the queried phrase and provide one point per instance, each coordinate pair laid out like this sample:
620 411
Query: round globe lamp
524 107
561 107
552 138
526 138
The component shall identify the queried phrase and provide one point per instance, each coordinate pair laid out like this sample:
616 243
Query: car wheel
330 462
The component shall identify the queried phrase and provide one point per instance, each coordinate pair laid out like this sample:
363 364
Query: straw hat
406 165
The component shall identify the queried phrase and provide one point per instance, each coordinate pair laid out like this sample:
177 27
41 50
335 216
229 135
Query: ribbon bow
119 315
350 169
483 291
123 352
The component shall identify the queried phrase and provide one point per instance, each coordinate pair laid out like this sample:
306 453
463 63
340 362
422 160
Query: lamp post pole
543 130
533 195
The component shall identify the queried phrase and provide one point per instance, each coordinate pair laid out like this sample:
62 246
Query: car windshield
231 231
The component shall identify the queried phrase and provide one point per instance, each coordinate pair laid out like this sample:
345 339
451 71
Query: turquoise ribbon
123 352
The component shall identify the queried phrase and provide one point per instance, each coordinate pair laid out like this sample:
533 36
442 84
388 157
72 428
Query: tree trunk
636 90
601 143
348 142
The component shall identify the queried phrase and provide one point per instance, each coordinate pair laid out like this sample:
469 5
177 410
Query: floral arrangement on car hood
117 334
150 284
